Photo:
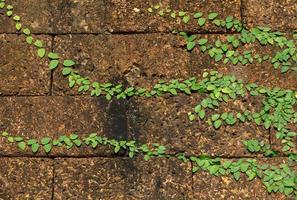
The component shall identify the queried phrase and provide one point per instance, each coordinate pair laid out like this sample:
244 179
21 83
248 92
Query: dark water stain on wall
117 119
121 117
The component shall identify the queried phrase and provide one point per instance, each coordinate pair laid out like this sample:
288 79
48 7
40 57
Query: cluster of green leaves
256 146
110 90
93 140
277 105
228 50
220 88
33 144
275 178
201 18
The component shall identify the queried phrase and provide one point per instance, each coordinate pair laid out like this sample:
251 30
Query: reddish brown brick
38 117
121 178
279 15
72 16
22 72
121 16
26 178
131 59
35 14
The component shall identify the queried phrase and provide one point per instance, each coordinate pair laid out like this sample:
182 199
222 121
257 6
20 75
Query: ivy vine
229 51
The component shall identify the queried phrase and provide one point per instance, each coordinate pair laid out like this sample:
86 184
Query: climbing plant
229 51
277 112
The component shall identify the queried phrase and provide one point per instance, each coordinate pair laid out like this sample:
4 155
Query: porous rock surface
113 43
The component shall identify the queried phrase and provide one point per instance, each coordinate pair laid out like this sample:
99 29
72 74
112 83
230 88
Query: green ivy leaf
29 40
186 19
226 90
198 15
10 139
181 13
77 142
9 7
68 63
26 31
34 147
190 45
267 124
117 148
47 148
211 87
38 43
212 16
66 71
201 21
244 166
202 114
41 52
236 176
285 69
45 140
73 136
251 175
213 169
22 145
53 56
18 26
53 64
32 141
9 13
217 124
202 41
16 18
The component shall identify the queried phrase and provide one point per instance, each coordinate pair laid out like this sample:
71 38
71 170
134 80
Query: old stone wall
113 43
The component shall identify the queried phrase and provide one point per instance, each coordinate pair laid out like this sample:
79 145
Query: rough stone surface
123 18
26 178
280 15
165 121
138 60
74 16
36 14
123 58
142 59
117 41
37 117
22 72
121 178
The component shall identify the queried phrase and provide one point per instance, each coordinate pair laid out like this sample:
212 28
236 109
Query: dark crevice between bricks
63 156
204 32
53 180
105 25
125 33
192 179
126 156
241 11
51 71
16 95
